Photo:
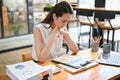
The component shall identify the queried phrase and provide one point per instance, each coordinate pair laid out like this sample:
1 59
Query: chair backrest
27 56
101 15
85 16
84 12
104 15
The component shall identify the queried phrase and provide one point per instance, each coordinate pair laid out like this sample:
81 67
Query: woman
50 33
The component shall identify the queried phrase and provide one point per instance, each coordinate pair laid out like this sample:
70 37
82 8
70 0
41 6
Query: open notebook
72 61
111 59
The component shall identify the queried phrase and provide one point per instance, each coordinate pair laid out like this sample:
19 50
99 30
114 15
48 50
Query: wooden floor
10 57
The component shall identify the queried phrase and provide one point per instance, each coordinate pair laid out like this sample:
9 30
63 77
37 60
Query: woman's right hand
56 32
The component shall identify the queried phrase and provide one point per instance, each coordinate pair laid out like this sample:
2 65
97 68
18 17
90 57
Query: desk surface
100 72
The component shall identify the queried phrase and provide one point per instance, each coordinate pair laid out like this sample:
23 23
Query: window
86 3
113 4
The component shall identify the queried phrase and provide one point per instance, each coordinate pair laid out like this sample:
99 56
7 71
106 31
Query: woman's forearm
71 44
47 48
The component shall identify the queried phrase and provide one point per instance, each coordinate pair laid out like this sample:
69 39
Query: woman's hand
71 44
64 31
56 32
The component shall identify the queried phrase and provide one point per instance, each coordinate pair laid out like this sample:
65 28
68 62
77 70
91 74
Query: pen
97 39
85 63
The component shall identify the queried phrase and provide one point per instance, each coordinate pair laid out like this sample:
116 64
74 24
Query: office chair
104 21
27 56
88 22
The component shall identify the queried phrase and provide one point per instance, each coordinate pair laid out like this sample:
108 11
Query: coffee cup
106 48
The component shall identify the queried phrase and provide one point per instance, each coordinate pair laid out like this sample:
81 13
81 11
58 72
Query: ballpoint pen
85 63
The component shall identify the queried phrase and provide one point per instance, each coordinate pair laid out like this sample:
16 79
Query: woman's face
62 21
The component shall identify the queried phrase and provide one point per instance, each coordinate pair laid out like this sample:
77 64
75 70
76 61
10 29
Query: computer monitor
100 3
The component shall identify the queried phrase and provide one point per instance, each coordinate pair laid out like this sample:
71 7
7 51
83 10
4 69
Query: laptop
110 59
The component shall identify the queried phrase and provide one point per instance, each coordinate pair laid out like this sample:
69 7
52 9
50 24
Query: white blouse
56 50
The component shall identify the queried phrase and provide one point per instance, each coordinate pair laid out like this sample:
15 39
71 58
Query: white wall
113 4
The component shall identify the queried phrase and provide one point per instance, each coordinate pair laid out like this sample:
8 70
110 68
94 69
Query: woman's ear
54 16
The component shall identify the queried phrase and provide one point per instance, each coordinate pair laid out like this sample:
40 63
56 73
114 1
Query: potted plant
15 28
47 7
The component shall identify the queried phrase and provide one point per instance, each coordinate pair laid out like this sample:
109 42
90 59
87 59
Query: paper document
28 70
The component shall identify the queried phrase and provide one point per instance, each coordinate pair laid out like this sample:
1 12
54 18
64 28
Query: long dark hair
59 9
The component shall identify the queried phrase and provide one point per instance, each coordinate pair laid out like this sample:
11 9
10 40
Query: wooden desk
98 9
100 72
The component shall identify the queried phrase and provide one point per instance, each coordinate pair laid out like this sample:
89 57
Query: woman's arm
71 44
42 50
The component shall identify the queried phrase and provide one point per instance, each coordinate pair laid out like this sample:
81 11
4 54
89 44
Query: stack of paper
54 69
28 70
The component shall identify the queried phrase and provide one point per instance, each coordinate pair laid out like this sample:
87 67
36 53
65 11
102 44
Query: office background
16 37
17 19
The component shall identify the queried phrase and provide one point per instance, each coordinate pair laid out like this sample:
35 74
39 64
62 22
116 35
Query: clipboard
72 61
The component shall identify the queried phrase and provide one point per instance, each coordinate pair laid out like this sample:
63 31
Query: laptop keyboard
111 59
114 59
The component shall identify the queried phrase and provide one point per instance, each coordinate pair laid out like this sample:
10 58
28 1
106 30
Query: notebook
111 59
82 68
72 61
